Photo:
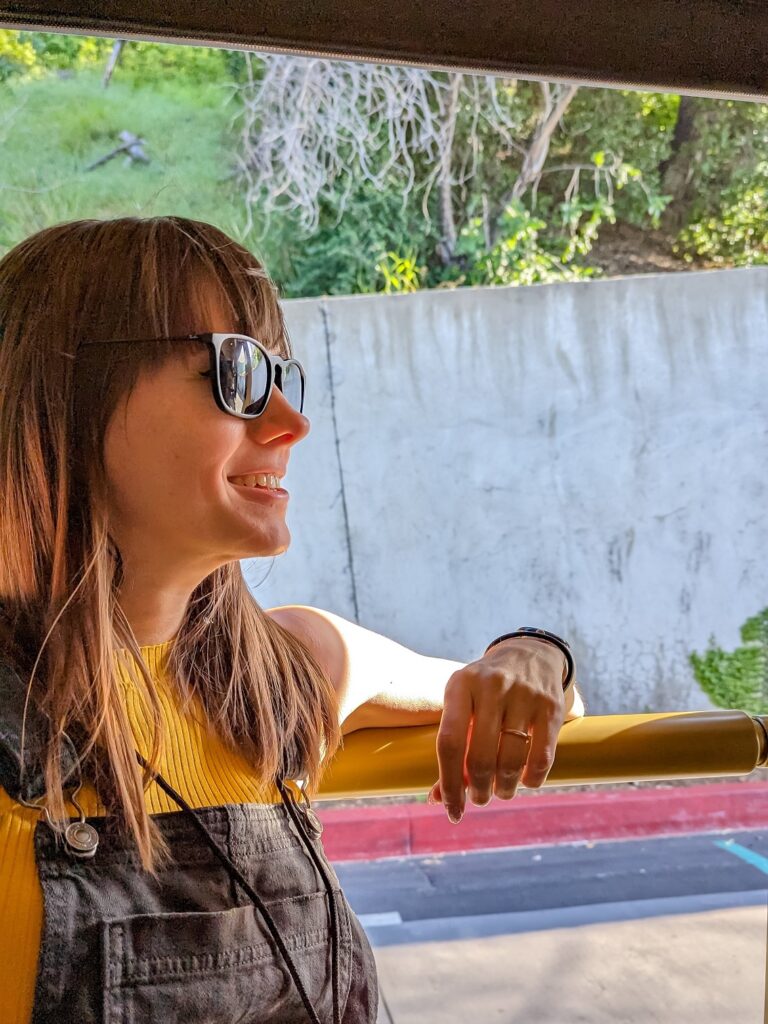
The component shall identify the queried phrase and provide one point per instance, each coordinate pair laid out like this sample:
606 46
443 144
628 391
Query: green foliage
50 51
400 273
728 220
619 139
582 217
605 164
147 63
17 55
524 253
736 234
731 146
375 244
737 679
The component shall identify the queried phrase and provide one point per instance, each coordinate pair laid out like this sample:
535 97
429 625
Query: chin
270 550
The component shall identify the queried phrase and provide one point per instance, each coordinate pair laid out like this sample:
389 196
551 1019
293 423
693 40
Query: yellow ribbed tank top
195 762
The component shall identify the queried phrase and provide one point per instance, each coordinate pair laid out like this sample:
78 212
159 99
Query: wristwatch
547 637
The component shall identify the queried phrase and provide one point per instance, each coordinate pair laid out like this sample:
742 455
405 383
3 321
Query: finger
514 745
482 754
435 796
545 730
451 749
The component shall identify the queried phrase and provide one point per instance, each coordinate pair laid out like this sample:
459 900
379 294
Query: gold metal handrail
608 748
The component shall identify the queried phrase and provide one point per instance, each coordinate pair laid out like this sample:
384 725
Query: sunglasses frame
275 365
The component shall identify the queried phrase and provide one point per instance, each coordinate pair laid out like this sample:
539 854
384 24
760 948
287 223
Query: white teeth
268 480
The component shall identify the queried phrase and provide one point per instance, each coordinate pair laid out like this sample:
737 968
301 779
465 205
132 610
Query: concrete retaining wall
590 457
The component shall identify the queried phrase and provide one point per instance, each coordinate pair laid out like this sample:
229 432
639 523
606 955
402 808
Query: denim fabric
12 697
119 947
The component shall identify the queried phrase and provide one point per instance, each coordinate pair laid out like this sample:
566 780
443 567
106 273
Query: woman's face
170 455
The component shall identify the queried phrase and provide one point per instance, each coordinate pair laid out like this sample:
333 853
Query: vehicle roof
703 47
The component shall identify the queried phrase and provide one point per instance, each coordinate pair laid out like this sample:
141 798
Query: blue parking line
755 859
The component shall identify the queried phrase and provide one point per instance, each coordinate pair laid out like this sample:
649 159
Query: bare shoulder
317 631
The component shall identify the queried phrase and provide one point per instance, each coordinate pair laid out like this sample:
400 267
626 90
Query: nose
280 418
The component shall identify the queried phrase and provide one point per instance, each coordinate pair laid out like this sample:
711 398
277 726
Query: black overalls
119 947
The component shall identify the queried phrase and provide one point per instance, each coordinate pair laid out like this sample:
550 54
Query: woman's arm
380 682
499 716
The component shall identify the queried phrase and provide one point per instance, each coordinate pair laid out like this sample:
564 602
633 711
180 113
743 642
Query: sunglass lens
292 385
244 376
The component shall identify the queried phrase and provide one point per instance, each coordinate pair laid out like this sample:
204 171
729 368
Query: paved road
634 932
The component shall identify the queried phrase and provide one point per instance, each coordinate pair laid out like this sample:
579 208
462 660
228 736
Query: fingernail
478 799
454 815
431 798
508 793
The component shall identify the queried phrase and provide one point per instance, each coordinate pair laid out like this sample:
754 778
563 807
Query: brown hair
60 571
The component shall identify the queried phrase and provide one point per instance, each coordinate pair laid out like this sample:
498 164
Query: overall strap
31 786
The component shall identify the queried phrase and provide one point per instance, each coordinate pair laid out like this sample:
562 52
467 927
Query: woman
157 860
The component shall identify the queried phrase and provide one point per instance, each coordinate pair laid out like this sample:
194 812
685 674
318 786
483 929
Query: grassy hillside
52 128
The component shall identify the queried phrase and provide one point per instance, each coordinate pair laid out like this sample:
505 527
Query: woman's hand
518 686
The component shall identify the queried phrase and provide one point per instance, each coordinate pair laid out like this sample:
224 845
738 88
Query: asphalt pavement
630 932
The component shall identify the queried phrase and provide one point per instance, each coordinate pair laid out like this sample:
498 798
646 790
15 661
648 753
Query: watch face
535 631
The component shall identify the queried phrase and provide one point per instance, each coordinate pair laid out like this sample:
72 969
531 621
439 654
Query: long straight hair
262 690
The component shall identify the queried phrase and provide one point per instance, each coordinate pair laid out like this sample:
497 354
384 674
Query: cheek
139 456
133 472
169 450
195 460
207 441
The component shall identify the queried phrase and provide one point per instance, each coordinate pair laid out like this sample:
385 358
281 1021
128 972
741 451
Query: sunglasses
242 372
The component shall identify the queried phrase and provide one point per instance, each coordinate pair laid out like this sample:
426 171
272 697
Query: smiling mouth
271 481
260 492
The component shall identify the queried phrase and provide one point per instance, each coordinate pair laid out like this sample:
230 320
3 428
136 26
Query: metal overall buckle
81 838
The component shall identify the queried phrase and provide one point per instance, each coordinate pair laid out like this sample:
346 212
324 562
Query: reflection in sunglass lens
244 376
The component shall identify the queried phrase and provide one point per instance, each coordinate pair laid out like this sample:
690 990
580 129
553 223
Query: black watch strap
543 634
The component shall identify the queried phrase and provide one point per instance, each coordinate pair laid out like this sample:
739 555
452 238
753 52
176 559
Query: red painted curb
400 830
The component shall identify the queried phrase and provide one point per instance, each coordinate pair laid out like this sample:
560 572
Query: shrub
737 679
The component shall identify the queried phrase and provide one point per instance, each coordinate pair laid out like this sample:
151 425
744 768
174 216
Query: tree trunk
114 56
447 246
537 152
534 159
677 171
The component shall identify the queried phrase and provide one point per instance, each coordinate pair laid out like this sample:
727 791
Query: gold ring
518 732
